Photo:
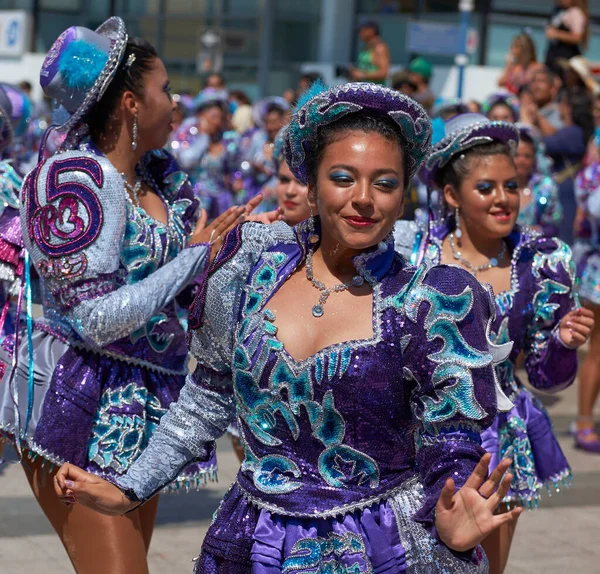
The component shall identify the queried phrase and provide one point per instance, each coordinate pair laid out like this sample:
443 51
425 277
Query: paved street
562 536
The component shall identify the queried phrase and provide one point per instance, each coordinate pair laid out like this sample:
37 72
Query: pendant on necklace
317 311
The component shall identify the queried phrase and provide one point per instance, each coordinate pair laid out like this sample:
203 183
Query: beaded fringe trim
179 485
561 480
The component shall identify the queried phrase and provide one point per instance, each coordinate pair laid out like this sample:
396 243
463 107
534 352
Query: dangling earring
134 143
457 229
312 236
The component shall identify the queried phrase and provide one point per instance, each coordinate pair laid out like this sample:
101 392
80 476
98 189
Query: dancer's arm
558 327
451 361
74 212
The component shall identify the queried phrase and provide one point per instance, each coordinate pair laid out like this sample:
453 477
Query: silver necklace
135 188
474 269
317 310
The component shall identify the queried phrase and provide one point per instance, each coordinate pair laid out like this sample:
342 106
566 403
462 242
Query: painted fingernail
569 324
70 499
69 483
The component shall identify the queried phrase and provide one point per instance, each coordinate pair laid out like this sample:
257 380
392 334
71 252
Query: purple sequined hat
80 65
462 133
320 106
260 108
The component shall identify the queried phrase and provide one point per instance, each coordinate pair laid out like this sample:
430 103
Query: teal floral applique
119 438
455 359
322 555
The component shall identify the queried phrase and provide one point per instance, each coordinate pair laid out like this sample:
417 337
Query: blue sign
433 38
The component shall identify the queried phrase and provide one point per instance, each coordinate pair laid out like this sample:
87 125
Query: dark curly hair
128 77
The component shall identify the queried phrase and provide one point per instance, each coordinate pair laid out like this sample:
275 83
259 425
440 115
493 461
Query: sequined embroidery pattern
321 555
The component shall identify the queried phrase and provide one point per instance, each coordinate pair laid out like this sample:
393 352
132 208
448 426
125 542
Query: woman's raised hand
74 485
215 231
465 517
576 327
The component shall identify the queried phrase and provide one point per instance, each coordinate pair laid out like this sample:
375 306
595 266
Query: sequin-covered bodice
104 262
341 428
308 426
347 426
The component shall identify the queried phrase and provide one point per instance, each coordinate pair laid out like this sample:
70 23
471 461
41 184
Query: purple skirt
95 411
381 539
538 461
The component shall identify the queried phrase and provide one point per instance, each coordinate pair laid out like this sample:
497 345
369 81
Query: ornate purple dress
345 452
109 356
542 293
587 241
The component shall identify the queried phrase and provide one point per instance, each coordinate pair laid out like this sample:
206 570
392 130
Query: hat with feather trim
80 66
463 133
320 106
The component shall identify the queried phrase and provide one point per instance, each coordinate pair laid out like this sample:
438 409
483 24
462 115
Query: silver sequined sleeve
73 216
113 316
211 344
201 414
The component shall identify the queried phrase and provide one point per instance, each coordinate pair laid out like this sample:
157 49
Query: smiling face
359 189
291 195
156 108
488 196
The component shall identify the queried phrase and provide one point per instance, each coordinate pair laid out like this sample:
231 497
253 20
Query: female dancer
540 206
111 227
292 194
357 421
533 278
11 238
209 153
502 107
587 254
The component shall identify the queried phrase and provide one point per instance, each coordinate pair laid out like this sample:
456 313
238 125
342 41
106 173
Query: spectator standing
567 32
538 104
373 64
567 148
521 64
420 72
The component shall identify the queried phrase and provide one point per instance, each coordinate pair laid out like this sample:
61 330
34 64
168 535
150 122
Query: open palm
465 517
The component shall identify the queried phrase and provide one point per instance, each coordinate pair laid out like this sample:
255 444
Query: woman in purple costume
11 238
533 278
360 405
209 153
112 228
